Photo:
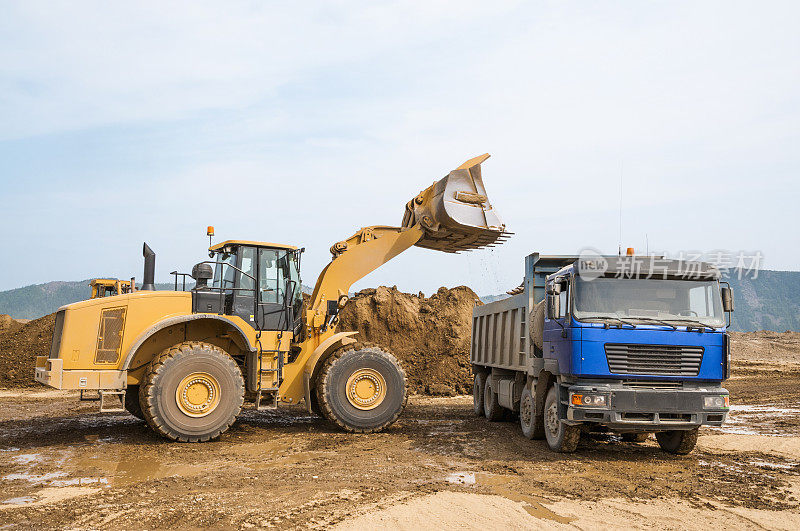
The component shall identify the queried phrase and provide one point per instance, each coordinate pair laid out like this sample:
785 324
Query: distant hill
32 302
771 301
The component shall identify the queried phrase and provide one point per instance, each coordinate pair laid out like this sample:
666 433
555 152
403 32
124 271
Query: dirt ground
64 466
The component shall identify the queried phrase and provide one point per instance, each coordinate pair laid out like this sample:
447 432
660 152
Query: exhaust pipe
149 268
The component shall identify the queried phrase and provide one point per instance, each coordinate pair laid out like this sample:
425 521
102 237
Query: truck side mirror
727 299
553 306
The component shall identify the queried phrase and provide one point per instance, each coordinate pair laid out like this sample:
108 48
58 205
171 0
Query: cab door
557 340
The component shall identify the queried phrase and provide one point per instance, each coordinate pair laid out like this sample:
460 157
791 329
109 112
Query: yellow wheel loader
186 361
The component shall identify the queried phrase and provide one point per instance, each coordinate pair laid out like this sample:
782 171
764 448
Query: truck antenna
620 209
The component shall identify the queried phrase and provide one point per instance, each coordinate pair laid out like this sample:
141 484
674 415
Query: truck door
557 342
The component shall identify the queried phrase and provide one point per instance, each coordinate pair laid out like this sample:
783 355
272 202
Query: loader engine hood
456 213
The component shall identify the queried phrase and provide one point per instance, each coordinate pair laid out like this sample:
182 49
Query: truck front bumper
50 372
648 409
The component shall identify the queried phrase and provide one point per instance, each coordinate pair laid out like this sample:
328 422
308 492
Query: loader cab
256 281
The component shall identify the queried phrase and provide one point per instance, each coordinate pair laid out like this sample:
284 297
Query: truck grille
658 360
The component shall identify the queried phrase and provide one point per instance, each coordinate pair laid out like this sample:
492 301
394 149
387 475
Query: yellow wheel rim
198 394
366 389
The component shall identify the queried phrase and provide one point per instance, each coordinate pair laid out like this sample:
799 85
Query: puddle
21 500
775 466
79 482
758 419
10 449
509 488
128 471
25 459
33 478
461 478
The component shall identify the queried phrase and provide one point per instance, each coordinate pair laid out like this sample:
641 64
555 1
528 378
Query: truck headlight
716 402
588 400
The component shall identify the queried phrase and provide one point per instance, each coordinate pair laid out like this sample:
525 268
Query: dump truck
186 361
626 344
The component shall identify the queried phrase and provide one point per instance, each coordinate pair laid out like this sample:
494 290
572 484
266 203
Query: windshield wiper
700 325
624 322
654 320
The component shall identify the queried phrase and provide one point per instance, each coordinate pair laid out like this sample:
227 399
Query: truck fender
170 321
334 342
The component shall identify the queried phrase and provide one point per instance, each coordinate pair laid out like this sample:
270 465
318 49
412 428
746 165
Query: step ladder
270 374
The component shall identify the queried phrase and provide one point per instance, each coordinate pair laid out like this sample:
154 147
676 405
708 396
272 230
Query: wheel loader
187 361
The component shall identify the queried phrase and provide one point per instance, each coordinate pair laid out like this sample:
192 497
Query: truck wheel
132 402
478 383
527 413
536 324
362 391
560 436
192 392
635 437
491 408
679 442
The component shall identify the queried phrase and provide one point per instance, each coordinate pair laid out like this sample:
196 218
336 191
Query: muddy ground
64 466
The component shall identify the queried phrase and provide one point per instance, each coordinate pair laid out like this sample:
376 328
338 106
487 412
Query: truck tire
560 437
478 383
536 324
491 407
362 391
635 437
527 414
678 442
132 404
192 392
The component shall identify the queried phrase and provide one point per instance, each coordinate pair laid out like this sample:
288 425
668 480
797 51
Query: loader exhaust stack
456 213
149 268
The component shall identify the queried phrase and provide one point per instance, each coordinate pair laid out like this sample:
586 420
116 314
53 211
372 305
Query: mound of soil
8 324
19 346
430 335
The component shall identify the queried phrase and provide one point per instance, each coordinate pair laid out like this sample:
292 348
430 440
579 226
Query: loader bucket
456 213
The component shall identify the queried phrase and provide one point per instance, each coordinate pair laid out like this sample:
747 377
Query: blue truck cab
629 344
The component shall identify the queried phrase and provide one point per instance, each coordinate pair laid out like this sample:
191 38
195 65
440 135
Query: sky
665 126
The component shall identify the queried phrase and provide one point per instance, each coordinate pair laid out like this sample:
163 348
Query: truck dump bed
500 335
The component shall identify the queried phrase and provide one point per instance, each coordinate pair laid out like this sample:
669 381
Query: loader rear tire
132 404
192 392
536 324
362 391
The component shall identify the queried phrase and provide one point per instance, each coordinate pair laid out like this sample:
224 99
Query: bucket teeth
456 212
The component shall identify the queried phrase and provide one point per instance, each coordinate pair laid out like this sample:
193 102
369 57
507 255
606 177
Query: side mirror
727 299
553 288
553 306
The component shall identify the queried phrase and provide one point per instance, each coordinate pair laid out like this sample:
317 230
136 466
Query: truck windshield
650 300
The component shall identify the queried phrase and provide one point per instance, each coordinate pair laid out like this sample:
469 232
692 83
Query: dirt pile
8 324
19 346
430 335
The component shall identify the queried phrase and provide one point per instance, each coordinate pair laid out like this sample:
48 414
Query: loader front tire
192 392
362 391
